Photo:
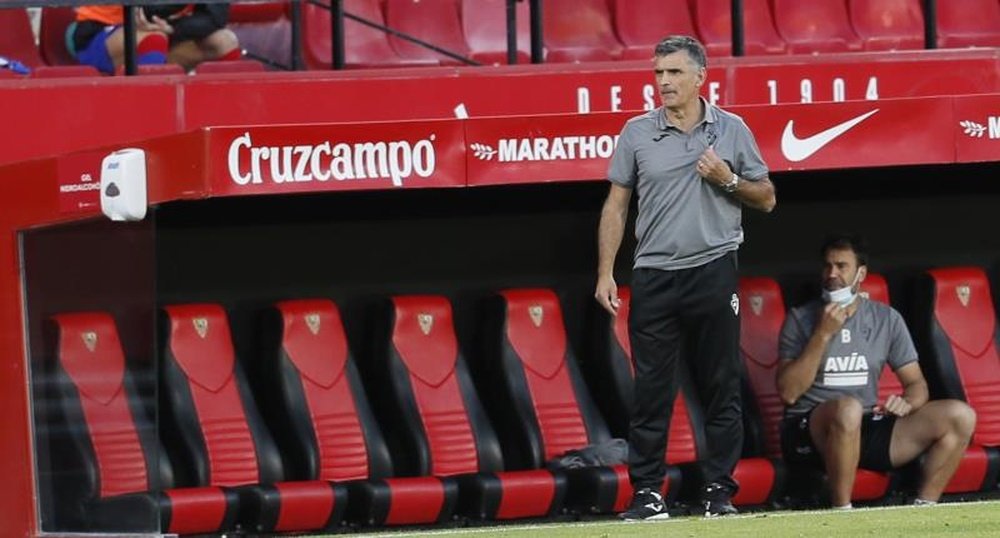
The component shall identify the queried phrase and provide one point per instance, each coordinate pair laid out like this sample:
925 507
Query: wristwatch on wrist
731 186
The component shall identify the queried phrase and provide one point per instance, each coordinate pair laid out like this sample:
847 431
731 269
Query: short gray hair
675 43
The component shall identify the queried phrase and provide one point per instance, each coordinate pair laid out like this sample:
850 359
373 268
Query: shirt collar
661 117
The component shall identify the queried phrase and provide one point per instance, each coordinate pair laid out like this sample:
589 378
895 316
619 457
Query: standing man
693 166
832 353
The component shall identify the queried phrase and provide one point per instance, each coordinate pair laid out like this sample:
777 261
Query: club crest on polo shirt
735 304
846 371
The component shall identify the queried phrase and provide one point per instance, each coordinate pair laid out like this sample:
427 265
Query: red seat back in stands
815 26
484 24
579 31
17 40
433 21
715 24
641 24
968 23
888 24
364 46
52 35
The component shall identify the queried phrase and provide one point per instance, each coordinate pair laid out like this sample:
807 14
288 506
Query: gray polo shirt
683 220
853 361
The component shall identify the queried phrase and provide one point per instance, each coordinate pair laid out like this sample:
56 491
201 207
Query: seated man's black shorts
876 437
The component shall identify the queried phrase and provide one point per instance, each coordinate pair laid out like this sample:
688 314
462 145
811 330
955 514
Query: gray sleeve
793 339
622 170
749 164
901 348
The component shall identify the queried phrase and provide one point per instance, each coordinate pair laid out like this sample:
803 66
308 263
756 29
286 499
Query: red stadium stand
815 26
442 424
761 480
217 435
484 25
365 46
52 35
125 476
433 21
968 23
759 332
17 40
714 21
579 31
888 24
540 402
321 416
641 24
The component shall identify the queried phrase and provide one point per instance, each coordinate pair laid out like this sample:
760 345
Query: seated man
832 353
185 34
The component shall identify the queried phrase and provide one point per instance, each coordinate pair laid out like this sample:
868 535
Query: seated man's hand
894 405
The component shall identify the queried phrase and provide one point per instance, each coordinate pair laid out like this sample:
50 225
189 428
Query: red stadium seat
761 480
714 21
812 26
979 466
641 24
17 40
579 31
433 21
438 414
125 477
321 417
968 23
759 332
888 24
484 23
957 330
542 406
212 422
263 29
364 46
52 35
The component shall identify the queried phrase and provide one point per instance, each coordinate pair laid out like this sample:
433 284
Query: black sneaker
717 501
646 505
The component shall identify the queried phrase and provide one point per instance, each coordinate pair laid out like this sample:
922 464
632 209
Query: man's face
678 78
840 268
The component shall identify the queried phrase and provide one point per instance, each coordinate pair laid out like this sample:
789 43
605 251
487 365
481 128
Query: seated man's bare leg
219 44
942 428
835 426
187 54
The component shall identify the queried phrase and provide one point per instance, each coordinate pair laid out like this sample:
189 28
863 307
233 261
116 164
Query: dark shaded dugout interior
360 247
465 243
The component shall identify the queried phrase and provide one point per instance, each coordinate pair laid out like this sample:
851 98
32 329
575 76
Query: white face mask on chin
843 296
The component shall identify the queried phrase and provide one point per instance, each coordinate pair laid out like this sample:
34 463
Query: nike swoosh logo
798 149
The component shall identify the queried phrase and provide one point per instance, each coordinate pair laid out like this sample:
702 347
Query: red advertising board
310 158
854 134
825 82
541 149
976 128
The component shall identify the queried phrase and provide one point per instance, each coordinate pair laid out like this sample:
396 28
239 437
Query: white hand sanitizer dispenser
123 185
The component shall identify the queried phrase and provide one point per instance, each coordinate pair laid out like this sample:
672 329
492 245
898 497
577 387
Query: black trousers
693 315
